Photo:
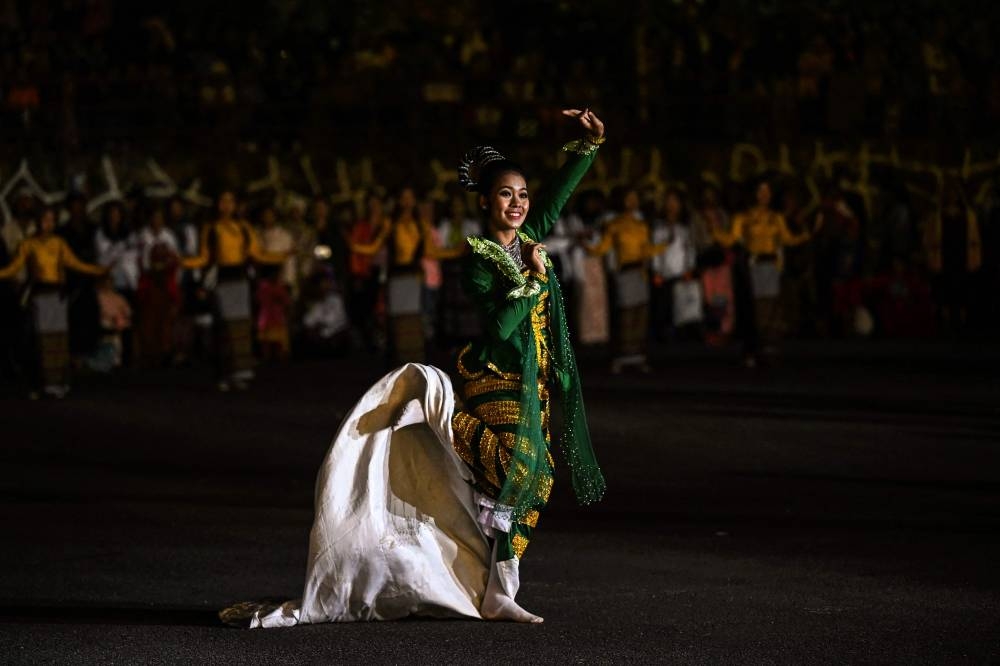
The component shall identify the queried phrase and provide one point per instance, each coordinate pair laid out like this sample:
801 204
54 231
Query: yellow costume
630 239
762 231
233 242
411 241
229 245
47 258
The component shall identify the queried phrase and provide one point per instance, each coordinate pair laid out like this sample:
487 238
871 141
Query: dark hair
677 192
45 209
491 174
123 227
258 213
398 209
618 195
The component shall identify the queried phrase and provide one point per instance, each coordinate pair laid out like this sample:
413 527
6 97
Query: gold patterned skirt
486 430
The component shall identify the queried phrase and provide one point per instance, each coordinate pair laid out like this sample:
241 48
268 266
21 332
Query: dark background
840 504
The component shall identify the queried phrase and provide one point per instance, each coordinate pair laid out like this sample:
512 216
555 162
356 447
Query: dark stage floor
841 506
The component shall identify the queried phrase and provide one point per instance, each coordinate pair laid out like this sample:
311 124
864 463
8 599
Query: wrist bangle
596 140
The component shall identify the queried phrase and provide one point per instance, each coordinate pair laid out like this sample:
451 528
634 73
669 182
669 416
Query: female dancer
764 234
230 243
412 240
521 363
629 236
47 257
413 491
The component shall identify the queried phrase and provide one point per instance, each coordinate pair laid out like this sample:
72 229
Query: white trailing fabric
395 531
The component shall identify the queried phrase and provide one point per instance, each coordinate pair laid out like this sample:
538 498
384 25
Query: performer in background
228 245
47 256
763 232
411 239
426 509
629 236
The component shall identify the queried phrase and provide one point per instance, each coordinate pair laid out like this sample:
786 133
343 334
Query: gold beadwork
464 426
469 374
518 473
545 488
505 450
530 519
581 147
488 456
519 544
500 412
483 385
510 376
462 370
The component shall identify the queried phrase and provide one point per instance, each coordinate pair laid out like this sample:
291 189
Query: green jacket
504 297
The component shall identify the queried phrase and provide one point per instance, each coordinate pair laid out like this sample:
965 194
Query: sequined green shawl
528 478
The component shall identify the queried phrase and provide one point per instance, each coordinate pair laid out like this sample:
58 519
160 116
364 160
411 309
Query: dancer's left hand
532 256
590 122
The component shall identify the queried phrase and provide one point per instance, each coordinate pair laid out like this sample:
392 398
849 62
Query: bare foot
498 601
498 606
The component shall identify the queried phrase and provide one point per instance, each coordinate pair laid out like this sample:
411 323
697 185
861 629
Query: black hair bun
470 169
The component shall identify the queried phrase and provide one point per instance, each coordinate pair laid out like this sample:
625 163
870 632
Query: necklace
513 250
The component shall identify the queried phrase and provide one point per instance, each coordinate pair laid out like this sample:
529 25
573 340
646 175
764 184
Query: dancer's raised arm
549 204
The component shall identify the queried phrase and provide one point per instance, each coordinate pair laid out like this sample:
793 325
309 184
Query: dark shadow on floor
123 615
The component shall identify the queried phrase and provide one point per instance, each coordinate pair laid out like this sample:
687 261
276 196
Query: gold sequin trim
519 544
500 412
519 474
509 376
530 519
464 426
469 374
545 488
462 370
539 326
483 385
488 456
505 450
524 446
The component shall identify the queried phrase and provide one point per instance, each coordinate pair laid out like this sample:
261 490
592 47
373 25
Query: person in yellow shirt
954 254
410 239
47 258
228 245
763 233
629 236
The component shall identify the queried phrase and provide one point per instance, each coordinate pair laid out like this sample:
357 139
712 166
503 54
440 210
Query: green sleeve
500 316
546 208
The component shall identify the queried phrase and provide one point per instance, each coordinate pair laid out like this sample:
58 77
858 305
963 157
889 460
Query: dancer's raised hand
588 120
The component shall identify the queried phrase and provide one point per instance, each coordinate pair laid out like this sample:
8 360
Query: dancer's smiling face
508 201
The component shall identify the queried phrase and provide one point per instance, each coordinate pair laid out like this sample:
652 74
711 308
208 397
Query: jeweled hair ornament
472 164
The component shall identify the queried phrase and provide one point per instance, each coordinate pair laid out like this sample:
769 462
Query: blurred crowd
130 277
77 74
143 281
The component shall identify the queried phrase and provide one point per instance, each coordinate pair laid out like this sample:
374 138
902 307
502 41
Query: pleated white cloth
395 532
